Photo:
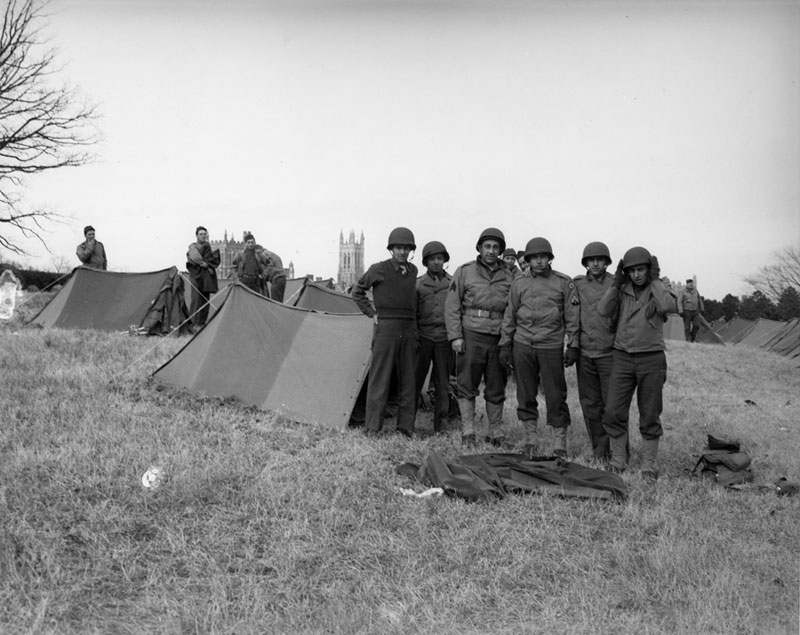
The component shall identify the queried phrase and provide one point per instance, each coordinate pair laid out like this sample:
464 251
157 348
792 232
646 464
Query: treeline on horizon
749 307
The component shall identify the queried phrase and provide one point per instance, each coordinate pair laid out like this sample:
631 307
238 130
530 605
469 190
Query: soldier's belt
483 313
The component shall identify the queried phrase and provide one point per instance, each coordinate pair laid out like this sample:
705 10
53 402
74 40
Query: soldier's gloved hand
505 357
570 356
619 276
655 269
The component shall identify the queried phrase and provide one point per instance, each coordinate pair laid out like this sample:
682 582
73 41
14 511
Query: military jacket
640 321
597 331
477 299
431 296
542 310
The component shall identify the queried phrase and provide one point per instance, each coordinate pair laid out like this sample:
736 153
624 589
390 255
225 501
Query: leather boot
494 413
467 408
619 453
560 442
649 454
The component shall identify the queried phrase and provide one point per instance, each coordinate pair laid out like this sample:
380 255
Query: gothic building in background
351 260
229 248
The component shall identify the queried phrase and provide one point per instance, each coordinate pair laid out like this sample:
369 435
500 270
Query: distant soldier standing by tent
202 263
597 344
542 309
639 302
91 252
250 265
393 283
690 306
432 288
274 274
473 314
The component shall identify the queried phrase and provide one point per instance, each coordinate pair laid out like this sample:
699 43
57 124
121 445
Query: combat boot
560 443
467 408
619 453
649 454
530 428
494 413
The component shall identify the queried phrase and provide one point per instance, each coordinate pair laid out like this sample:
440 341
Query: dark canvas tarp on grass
307 365
113 301
490 476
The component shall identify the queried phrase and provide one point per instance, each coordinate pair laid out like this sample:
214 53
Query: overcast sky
669 124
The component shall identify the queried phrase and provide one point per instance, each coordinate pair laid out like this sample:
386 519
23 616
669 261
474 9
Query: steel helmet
401 236
434 247
494 234
510 252
538 245
636 256
596 250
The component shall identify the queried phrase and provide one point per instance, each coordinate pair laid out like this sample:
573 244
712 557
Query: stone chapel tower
351 260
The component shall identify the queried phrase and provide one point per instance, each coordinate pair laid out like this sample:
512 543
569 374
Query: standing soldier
510 258
597 345
202 262
393 283
275 274
542 309
250 265
473 314
434 346
639 303
91 252
690 306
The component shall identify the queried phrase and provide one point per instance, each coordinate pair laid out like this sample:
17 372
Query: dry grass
266 526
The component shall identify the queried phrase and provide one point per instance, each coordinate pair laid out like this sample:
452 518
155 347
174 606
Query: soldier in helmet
597 344
510 258
473 314
432 287
393 284
690 308
638 302
542 310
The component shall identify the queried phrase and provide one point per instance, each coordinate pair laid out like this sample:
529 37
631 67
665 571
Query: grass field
263 525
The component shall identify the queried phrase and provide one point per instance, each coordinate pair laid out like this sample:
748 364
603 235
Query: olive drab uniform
542 312
474 311
394 340
434 347
596 358
640 365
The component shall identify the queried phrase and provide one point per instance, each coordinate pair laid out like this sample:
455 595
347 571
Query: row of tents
307 358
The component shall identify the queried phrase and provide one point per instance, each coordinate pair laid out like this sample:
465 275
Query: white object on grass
9 285
152 478
433 491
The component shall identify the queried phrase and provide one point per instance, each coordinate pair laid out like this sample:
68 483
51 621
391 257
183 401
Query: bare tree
775 278
44 125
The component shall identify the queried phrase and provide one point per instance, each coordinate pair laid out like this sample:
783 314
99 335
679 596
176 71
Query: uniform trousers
644 373
394 344
277 289
594 374
534 366
481 361
200 306
691 325
441 354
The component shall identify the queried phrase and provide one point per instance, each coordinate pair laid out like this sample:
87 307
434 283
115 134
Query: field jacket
262 262
94 258
541 310
597 331
431 296
690 301
477 299
640 322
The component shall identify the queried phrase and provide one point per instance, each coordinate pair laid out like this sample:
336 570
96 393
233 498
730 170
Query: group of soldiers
492 319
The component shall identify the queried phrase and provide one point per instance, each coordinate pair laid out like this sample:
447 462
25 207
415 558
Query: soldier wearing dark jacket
432 288
250 265
542 311
393 285
202 263
597 345
638 302
473 313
